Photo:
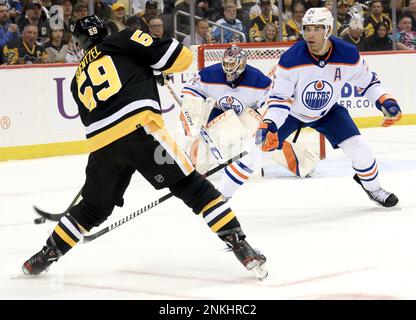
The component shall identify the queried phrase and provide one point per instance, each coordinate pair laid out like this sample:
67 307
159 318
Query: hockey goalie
223 105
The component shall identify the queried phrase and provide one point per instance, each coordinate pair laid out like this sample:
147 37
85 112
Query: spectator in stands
230 20
47 4
139 6
69 23
202 35
25 50
134 22
380 40
80 11
102 10
375 17
168 6
270 33
400 7
118 18
33 14
150 11
354 33
9 32
183 22
255 10
74 53
15 9
343 16
260 22
246 5
208 13
57 47
156 28
411 11
406 38
287 12
294 25
313 4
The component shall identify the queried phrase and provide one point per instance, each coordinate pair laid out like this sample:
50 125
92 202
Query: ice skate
40 261
380 196
250 258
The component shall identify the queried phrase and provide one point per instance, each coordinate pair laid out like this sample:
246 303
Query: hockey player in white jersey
309 79
239 91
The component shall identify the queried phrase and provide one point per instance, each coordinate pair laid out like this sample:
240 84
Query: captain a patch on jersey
317 94
229 102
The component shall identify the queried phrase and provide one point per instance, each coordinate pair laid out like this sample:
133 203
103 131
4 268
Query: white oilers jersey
307 87
251 92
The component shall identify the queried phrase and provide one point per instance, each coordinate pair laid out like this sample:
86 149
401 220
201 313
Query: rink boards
38 116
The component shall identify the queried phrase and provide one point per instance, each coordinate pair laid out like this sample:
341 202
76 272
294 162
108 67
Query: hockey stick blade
58 216
89 238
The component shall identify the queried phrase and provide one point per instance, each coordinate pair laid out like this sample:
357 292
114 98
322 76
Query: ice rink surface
323 237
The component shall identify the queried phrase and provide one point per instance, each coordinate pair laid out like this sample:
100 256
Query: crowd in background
30 31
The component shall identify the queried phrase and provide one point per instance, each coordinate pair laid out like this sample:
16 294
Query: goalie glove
266 136
390 109
193 114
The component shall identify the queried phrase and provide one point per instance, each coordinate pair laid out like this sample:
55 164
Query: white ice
324 239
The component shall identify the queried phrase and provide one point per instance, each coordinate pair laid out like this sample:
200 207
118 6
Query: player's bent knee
355 147
89 216
195 191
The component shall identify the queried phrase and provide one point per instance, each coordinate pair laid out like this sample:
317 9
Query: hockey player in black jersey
118 101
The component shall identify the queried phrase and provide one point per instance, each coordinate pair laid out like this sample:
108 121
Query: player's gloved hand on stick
266 136
390 109
161 77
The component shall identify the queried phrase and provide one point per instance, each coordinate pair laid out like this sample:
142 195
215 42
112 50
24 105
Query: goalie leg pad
296 157
226 132
250 119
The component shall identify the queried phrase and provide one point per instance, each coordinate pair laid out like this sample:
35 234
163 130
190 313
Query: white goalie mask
234 63
319 16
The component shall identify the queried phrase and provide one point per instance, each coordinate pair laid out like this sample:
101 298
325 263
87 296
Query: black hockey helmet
89 31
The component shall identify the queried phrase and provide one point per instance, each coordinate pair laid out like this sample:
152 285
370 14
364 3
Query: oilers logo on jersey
317 94
229 102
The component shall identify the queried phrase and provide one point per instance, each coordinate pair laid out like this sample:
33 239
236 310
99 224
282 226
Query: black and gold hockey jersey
115 88
18 52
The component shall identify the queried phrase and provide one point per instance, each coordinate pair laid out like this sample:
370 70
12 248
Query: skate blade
260 272
258 269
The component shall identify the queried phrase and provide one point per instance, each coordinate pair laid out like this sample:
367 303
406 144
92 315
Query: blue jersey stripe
232 177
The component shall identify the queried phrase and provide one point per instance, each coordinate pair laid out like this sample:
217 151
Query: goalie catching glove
390 109
266 136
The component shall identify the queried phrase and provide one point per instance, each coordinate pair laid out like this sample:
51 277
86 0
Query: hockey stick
56 216
89 238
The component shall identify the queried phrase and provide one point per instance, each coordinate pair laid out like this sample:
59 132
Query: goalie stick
91 237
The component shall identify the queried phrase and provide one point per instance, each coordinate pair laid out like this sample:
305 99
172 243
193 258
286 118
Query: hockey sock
66 235
200 195
363 161
219 216
368 176
235 175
